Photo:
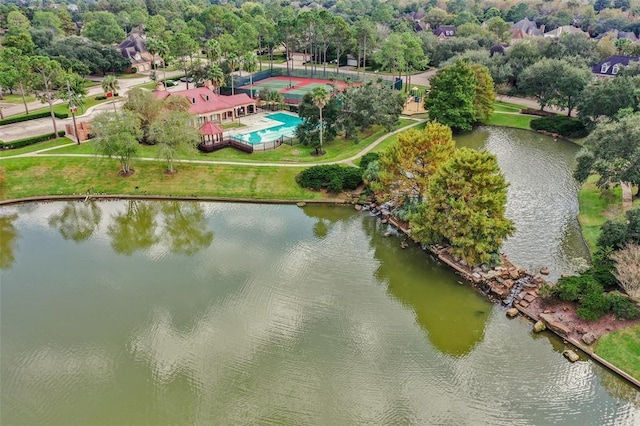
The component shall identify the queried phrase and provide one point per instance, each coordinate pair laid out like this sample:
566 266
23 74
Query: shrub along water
332 177
562 125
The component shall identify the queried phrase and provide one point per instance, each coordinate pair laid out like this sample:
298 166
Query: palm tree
216 75
320 98
110 84
163 51
213 51
249 63
232 62
153 46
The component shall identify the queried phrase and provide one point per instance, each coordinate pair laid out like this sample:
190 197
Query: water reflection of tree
326 217
77 221
453 315
185 227
135 228
8 237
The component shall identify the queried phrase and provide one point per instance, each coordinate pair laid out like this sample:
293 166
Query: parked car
185 79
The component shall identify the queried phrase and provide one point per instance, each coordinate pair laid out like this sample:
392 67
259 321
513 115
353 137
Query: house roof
497 49
134 47
620 60
565 29
204 101
444 29
525 25
209 128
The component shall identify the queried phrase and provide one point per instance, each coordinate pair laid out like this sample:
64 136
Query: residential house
208 106
619 35
565 29
611 66
134 48
525 28
445 31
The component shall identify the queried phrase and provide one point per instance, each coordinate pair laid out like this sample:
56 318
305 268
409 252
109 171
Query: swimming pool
286 129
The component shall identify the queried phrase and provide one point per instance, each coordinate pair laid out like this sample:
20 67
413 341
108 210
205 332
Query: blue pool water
286 129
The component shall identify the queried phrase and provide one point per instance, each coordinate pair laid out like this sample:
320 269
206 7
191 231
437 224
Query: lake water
172 313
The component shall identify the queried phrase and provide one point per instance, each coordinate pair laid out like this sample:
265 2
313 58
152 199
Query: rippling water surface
542 197
144 313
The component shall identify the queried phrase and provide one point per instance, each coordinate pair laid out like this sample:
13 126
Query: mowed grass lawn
35 147
33 176
519 121
62 108
337 149
622 349
596 207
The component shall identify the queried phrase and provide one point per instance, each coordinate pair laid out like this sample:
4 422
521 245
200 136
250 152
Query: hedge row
560 124
32 116
30 141
333 177
103 97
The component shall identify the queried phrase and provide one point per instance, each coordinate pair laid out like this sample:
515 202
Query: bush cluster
368 158
333 177
103 97
539 113
593 302
560 124
32 116
30 141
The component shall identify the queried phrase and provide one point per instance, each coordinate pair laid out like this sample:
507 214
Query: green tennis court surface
275 84
309 88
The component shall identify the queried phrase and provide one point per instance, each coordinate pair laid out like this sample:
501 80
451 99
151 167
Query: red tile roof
209 128
204 101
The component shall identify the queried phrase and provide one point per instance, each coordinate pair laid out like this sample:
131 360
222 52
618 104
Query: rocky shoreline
517 290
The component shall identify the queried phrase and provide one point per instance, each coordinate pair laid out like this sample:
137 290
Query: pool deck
256 122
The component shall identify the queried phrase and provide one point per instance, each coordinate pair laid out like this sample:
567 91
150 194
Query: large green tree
372 103
451 97
485 95
603 98
49 82
612 151
174 133
104 28
465 207
117 135
146 107
407 165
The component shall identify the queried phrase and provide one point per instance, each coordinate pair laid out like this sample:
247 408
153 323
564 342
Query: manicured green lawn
62 108
149 86
126 76
31 176
622 349
500 106
596 207
511 120
16 99
35 147
336 150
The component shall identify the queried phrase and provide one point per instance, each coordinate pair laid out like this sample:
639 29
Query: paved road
42 126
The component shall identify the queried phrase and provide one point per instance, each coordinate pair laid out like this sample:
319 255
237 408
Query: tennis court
294 90
274 84
308 88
